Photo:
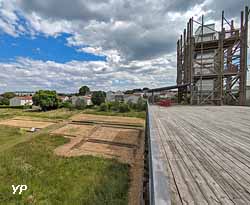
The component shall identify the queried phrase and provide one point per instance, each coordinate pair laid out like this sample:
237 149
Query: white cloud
33 75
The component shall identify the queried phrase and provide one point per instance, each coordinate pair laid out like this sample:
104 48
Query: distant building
20 101
63 98
86 99
132 98
119 96
114 96
110 96
169 94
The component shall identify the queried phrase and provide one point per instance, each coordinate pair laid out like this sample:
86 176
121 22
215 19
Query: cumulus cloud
138 38
138 30
34 75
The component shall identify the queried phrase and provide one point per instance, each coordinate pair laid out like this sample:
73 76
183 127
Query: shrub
141 105
123 107
65 104
104 107
114 106
80 104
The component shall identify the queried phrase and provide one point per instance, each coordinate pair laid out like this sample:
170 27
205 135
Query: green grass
59 114
127 114
62 114
58 180
10 135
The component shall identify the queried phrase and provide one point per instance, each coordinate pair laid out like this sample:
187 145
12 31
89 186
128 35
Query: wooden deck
205 151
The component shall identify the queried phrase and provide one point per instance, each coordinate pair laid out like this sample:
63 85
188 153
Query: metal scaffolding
213 63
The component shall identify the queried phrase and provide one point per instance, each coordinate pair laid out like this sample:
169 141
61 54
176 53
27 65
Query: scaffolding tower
213 63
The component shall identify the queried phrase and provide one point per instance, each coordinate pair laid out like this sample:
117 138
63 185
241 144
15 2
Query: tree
98 97
9 95
84 90
145 89
46 99
137 90
128 92
104 107
141 105
4 101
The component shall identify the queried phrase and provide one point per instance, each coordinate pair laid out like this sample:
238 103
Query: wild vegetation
53 180
58 114
28 158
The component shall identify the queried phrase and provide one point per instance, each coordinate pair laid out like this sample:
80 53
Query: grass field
9 135
56 180
62 114
59 114
28 158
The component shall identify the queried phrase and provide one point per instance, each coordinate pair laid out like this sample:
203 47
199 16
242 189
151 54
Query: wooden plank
221 173
213 192
206 151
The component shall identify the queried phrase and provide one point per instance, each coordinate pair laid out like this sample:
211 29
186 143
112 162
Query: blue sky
41 47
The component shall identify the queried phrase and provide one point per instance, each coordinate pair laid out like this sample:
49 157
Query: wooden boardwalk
206 152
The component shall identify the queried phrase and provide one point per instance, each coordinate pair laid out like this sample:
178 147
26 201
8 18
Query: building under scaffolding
213 63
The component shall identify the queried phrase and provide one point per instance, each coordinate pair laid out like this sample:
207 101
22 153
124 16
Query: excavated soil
112 142
118 135
122 154
74 130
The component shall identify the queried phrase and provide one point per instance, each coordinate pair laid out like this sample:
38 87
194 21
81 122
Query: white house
19 101
132 98
87 99
114 96
110 97
64 98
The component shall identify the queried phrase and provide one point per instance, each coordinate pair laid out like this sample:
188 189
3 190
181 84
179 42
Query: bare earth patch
74 130
117 135
26 123
122 154
112 142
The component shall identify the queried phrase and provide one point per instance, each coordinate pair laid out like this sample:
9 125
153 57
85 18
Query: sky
105 44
